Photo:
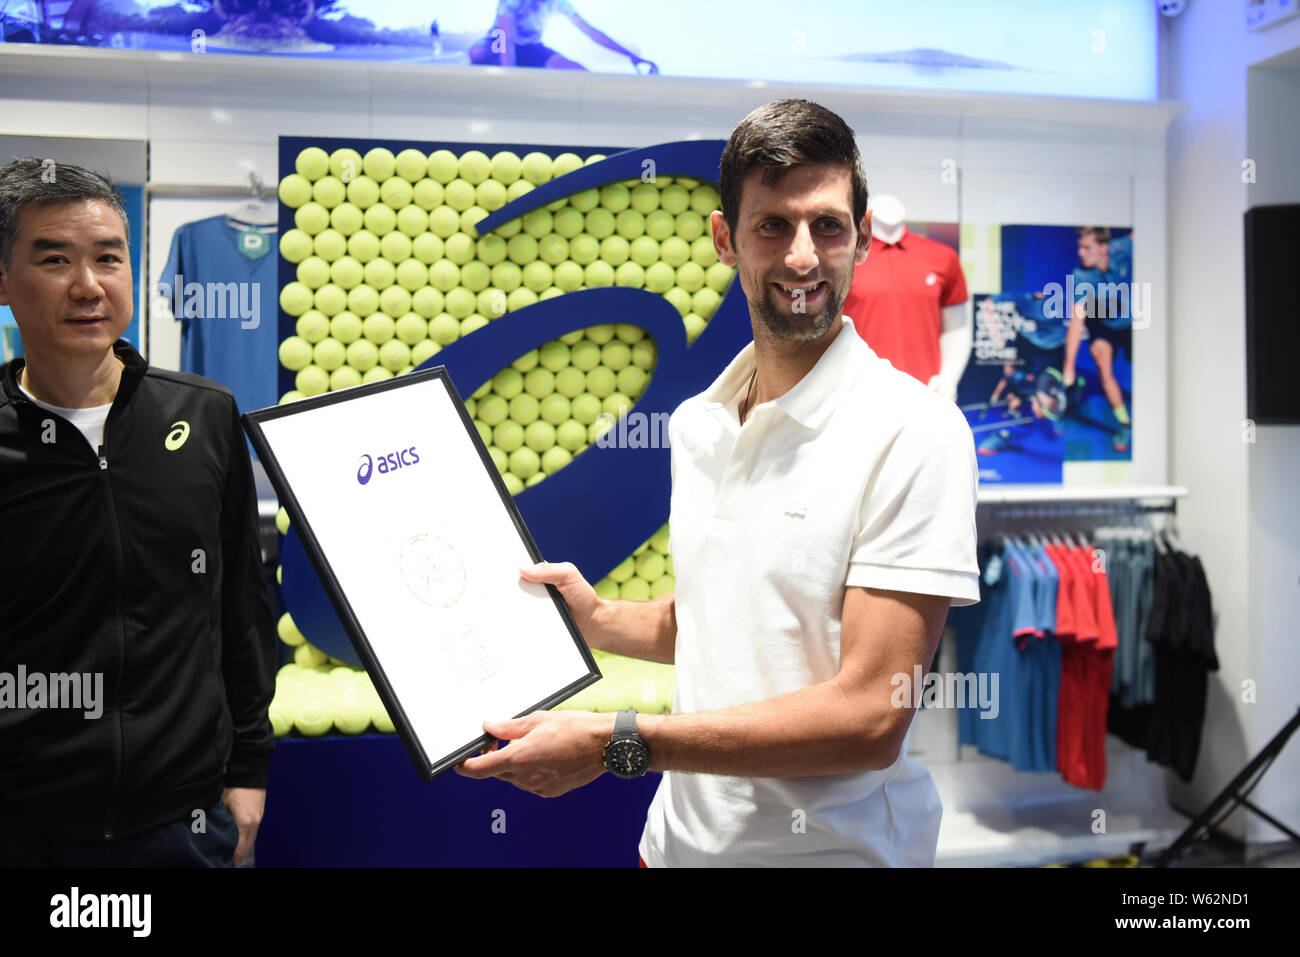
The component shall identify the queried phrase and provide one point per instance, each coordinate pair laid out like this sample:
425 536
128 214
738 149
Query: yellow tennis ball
565 163
442 166
346 272
537 168
474 167
286 629
313 272
311 218
412 275
444 221
694 326
295 298
411 329
470 219
380 219
328 191
427 302
423 351
615 250
674 199
377 374
411 165
295 353
395 355
614 197
363 192
295 245
412 221
379 328
379 274
659 225
444 275
459 249
346 327
490 195
329 354
282 521
312 163
312 326
295 189
331 300
395 301
459 195
363 300
379 164
395 193
363 246
505 167
344 377
395 247
363 355
427 194
346 218
444 329
427 248
567 276
345 163
312 381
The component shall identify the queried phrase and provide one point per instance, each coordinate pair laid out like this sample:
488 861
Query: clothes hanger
258 210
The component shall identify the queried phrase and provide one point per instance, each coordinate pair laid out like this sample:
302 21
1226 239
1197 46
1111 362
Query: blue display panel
1051 47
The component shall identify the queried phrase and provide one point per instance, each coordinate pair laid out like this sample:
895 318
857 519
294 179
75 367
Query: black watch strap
625 726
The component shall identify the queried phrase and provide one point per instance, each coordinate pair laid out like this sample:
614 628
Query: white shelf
1023 494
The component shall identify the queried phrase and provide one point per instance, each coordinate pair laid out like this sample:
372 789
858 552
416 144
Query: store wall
1241 516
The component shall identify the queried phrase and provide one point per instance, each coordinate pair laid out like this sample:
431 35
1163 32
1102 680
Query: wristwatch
626 756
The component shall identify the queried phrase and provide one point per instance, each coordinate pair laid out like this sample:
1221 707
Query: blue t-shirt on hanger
227 305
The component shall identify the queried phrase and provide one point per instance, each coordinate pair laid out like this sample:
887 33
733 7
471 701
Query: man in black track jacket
137 647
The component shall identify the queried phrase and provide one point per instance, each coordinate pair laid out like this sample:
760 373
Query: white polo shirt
859 475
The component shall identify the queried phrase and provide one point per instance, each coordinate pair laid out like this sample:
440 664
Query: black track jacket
140 562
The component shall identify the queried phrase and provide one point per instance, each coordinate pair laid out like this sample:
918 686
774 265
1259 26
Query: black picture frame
426 765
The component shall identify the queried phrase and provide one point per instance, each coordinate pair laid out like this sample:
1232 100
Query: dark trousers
171 845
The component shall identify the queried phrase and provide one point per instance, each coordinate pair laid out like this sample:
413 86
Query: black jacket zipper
119 563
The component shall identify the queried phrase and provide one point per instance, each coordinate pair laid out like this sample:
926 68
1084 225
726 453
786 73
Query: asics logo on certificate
180 431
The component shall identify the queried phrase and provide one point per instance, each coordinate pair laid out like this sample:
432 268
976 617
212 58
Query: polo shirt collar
900 242
813 397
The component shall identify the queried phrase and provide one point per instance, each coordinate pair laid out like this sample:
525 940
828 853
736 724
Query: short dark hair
779 136
1100 233
32 181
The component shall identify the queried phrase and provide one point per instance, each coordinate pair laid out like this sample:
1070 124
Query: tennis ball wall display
383 266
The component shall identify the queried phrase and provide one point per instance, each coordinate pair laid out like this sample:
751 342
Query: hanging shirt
228 306
897 300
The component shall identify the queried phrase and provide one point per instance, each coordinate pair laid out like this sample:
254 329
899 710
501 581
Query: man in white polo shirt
823 520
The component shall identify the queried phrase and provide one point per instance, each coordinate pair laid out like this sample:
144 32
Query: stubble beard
798 327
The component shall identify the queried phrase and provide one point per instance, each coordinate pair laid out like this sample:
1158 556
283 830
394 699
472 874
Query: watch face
627 759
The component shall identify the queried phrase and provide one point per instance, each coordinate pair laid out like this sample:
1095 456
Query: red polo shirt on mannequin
897 300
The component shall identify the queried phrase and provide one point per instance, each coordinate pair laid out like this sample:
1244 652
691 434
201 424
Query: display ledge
525 90
1022 494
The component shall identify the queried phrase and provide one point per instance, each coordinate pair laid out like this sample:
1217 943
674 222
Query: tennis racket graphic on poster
419 545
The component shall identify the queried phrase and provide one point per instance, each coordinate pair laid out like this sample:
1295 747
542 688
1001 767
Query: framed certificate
419 545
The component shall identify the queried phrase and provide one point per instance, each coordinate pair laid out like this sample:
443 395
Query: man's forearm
637 629
822 729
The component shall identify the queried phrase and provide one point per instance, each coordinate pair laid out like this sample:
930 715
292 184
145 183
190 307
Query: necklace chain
744 409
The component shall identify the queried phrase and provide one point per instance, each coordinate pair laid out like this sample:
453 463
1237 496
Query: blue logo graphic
391 462
626 490
365 469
